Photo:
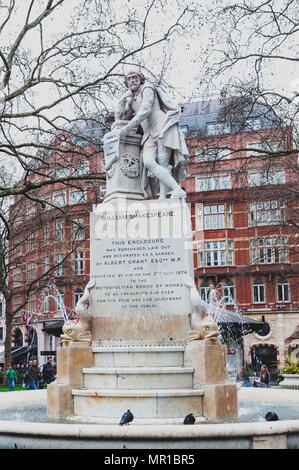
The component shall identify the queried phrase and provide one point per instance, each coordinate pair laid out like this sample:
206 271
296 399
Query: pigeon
126 418
271 416
189 419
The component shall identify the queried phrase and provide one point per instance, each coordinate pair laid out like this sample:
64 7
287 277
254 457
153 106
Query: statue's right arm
144 111
121 105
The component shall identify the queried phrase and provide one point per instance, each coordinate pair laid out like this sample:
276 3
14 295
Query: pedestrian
11 377
48 372
264 377
34 375
27 380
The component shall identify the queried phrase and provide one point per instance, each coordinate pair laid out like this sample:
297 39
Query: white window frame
79 263
268 250
266 213
283 284
59 231
213 183
81 197
258 286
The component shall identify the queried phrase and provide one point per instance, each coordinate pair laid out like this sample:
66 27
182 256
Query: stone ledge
136 349
138 370
136 393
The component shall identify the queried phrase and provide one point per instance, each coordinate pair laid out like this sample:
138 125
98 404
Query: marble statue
164 150
79 330
202 326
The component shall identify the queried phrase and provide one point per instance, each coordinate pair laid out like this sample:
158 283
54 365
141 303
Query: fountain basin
238 435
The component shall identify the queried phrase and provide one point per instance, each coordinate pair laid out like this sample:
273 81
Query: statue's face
133 80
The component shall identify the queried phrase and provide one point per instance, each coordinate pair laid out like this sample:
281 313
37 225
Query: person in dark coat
48 372
34 375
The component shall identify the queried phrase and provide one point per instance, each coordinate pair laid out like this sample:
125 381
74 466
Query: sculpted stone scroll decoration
79 330
202 326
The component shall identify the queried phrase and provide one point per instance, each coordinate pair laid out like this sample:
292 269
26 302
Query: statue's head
133 79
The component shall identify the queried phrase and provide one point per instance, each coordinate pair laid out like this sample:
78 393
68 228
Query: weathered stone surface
60 403
70 362
208 359
220 401
140 254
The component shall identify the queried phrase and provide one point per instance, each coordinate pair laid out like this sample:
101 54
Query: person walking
264 377
11 377
34 375
48 372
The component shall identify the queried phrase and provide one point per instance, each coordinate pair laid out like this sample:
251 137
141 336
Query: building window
283 291
46 263
31 305
218 128
1 309
17 277
78 229
213 183
63 172
205 290
206 155
60 265
77 295
269 250
47 203
31 242
229 293
46 234
78 197
184 129
253 124
1 334
17 300
215 253
265 178
60 200
262 146
79 262
215 216
31 271
46 303
258 291
266 213
60 301
81 168
59 231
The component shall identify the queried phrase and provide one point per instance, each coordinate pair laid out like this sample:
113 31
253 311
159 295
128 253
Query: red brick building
240 188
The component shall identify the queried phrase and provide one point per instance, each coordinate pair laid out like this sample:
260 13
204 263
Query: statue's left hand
124 131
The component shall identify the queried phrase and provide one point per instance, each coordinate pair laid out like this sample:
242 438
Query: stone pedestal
125 174
140 254
208 360
70 363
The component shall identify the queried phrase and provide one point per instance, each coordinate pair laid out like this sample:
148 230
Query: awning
16 351
233 325
53 328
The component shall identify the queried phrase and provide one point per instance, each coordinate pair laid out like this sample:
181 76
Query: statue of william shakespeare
163 148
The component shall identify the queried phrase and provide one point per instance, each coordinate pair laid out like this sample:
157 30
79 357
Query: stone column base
220 401
71 359
208 359
60 402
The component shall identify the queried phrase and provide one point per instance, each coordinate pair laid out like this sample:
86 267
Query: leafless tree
60 66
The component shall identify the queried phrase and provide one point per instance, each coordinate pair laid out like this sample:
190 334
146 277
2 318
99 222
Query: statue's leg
163 159
149 159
